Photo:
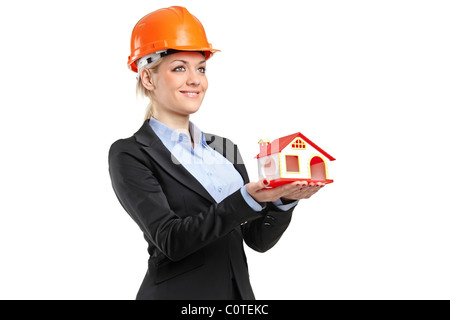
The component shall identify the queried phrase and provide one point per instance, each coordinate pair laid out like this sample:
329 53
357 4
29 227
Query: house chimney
263 144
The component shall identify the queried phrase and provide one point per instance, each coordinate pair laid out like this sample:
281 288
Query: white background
368 81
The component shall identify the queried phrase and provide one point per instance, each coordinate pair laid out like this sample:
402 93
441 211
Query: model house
293 158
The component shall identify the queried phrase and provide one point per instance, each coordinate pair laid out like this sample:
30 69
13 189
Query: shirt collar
197 135
170 137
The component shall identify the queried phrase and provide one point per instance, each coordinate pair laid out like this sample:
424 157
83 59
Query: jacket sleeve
262 234
142 197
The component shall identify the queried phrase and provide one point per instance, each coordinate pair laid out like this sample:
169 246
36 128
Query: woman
189 191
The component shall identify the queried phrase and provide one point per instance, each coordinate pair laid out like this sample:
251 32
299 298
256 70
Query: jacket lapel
159 153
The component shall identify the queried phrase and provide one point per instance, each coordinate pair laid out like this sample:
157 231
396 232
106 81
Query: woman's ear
147 80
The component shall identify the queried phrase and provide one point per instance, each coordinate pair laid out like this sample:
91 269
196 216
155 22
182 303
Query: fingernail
266 182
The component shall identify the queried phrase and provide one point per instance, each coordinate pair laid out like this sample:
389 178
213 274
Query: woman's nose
193 79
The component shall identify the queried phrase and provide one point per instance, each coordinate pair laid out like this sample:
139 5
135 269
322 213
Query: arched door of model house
317 167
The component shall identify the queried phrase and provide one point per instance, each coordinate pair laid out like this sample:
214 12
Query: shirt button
220 189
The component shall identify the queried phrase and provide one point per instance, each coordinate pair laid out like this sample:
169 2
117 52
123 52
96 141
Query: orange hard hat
168 28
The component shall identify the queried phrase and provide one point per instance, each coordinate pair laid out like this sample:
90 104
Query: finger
293 195
287 188
299 194
296 190
253 187
309 195
302 185
309 191
313 191
282 191
303 188
263 184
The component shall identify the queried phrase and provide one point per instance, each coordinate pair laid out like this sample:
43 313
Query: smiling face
179 86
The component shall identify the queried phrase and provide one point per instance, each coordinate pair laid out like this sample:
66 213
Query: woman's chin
192 110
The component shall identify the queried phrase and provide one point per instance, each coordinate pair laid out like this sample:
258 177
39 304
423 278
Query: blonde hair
142 91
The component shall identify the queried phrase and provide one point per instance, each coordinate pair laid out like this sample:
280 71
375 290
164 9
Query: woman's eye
202 69
179 69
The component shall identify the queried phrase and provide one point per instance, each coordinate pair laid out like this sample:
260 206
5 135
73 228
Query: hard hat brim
138 54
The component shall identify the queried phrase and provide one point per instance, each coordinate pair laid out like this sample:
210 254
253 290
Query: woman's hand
305 191
292 191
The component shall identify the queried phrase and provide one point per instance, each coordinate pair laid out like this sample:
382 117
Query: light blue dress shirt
215 173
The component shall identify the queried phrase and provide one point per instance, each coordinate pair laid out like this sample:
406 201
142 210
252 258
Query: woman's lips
190 94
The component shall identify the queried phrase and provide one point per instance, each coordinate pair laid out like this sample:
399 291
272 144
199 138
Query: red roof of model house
279 144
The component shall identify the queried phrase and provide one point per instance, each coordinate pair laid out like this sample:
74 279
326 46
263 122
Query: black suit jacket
195 244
